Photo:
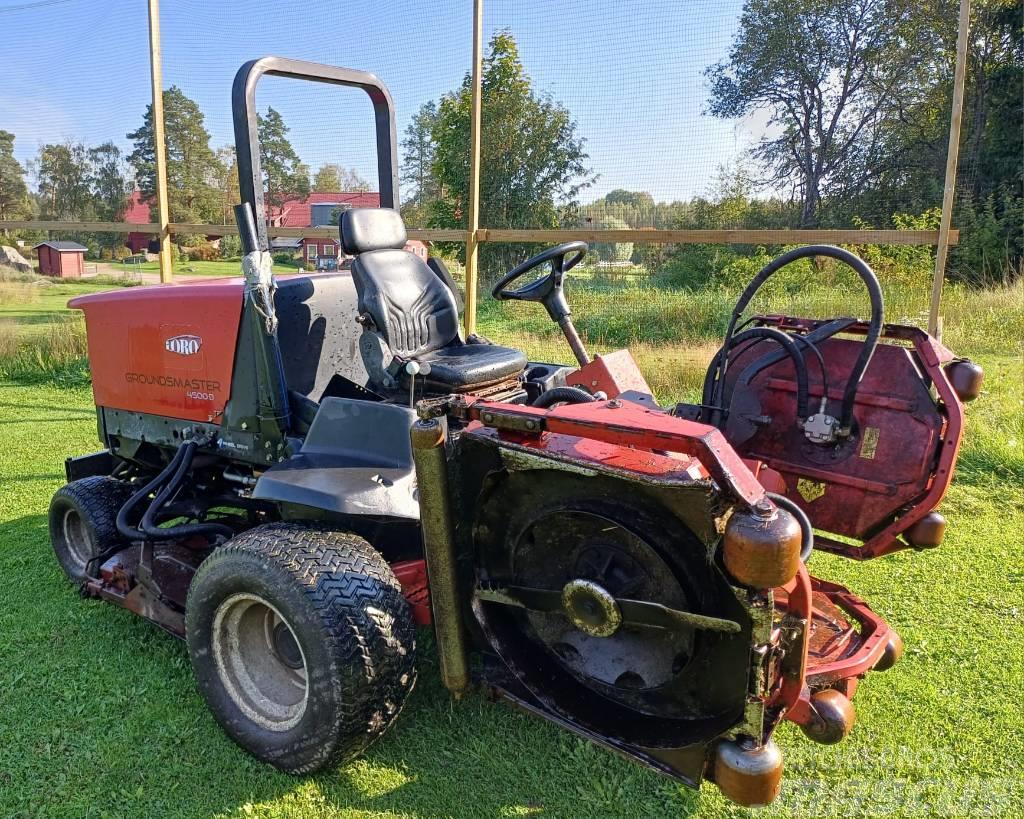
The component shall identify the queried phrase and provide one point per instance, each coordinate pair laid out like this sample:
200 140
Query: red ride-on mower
297 472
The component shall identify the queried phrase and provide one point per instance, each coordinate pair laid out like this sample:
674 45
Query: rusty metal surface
761 547
612 373
412 575
161 598
900 462
627 425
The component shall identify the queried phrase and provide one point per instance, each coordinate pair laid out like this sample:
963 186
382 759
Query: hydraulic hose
122 516
148 524
806 530
714 379
870 280
170 479
563 395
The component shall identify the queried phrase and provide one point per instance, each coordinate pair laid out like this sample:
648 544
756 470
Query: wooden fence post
473 217
952 154
159 145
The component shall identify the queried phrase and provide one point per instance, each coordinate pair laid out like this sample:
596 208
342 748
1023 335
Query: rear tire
301 643
83 517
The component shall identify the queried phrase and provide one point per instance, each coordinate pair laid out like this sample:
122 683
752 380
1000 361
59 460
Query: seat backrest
410 305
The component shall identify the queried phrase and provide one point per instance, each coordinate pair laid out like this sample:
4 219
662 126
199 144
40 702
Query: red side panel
165 350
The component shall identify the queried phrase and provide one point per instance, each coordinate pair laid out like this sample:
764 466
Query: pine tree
192 166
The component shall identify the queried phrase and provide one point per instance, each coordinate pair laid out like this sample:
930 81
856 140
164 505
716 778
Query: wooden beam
476 102
159 144
682 237
952 155
439 235
715 237
89 227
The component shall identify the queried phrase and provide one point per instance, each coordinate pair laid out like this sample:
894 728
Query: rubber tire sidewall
328 731
96 500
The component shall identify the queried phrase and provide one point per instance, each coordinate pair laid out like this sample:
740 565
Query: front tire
301 643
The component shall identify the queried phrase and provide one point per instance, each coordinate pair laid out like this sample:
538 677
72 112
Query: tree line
76 182
857 94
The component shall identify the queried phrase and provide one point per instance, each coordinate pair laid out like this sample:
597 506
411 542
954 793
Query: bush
205 252
286 259
230 247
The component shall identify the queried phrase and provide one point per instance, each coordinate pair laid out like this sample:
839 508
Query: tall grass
60 355
15 293
608 317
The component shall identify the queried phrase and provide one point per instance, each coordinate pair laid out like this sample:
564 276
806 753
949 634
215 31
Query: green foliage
332 178
991 245
834 77
63 175
533 162
417 165
286 259
192 166
613 251
14 202
230 247
284 175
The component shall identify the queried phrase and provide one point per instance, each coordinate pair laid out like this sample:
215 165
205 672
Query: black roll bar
247 143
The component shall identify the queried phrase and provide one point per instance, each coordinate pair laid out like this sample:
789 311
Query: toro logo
183 345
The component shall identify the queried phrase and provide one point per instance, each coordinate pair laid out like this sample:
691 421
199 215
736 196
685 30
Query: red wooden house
66 260
316 211
313 211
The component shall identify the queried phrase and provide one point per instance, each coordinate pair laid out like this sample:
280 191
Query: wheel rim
260 662
76 539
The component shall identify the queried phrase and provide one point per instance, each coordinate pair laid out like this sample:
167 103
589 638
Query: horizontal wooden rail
725 237
722 237
85 227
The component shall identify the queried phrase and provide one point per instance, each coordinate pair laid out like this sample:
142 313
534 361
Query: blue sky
631 74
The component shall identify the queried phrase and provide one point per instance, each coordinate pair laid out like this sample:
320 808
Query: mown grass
99 715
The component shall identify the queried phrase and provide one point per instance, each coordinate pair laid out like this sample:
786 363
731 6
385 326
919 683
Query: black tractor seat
409 313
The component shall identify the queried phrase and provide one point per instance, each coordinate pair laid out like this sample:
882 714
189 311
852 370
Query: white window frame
311 251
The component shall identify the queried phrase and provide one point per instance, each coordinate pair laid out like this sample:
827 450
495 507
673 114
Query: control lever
414 368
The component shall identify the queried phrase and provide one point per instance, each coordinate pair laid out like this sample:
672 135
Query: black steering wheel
547 289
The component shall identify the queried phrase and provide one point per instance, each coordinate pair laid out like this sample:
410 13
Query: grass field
99 715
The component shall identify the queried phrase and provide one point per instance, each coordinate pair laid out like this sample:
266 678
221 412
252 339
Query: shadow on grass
94 688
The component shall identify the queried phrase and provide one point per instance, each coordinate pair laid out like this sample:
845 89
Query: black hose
562 395
870 280
122 516
713 380
148 524
806 530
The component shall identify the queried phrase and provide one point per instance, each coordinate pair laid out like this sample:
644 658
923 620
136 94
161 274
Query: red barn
138 214
66 260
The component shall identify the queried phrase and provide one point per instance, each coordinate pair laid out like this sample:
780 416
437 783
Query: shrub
205 252
230 247
286 259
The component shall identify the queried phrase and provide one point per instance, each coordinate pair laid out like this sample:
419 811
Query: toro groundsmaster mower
297 472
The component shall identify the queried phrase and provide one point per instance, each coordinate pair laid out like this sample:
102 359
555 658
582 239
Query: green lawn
99 715
219 267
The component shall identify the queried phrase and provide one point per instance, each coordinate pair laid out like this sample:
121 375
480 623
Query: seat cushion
411 307
461 367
